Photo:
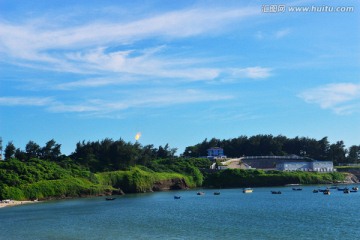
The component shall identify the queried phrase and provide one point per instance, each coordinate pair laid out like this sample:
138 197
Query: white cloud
160 72
25 101
33 40
274 35
91 48
106 53
252 72
282 33
145 98
342 98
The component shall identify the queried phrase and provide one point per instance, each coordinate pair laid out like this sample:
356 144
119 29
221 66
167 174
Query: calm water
231 215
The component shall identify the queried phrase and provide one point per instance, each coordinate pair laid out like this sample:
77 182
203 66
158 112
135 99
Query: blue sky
177 71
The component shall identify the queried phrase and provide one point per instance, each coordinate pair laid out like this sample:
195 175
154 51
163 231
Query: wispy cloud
94 47
251 72
342 98
36 40
112 52
279 34
155 98
25 101
184 73
282 33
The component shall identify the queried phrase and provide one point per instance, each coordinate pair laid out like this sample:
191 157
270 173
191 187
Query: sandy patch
9 203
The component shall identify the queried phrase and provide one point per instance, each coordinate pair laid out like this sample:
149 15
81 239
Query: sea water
230 215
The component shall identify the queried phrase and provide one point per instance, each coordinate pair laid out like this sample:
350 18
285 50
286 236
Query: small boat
315 191
343 189
200 193
323 190
248 190
110 198
275 192
297 189
216 193
355 188
177 197
346 191
353 191
327 192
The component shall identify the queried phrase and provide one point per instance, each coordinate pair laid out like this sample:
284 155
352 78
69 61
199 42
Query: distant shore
10 203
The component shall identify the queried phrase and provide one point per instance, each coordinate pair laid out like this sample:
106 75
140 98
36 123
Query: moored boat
200 193
177 197
296 189
327 192
110 198
216 193
248 190
275 192
315 191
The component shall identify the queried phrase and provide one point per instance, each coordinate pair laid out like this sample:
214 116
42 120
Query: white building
316 166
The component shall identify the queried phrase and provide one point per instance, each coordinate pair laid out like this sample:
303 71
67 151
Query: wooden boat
248 190
327 192
323 190
275 192
177 197
110 198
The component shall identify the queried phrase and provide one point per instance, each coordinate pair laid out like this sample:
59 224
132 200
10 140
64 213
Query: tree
1 146
354 154
9 151
20 155
32 150
337 152
51 151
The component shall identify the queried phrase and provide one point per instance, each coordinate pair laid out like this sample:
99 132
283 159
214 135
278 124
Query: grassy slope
43 180
259 178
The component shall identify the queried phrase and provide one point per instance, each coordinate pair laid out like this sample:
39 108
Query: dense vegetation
259 178
105 167
267 145
40 179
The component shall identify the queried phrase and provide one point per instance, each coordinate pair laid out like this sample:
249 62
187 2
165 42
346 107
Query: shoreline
11 203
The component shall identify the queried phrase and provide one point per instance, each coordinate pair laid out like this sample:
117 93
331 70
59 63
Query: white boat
248 190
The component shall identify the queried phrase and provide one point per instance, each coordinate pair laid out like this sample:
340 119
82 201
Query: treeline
97 156
110 155
268 145
51 151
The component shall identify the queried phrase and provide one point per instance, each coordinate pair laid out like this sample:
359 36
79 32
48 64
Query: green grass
348 167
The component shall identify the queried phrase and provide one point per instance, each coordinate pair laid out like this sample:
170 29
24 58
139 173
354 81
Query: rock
118 192
351 178
170 184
